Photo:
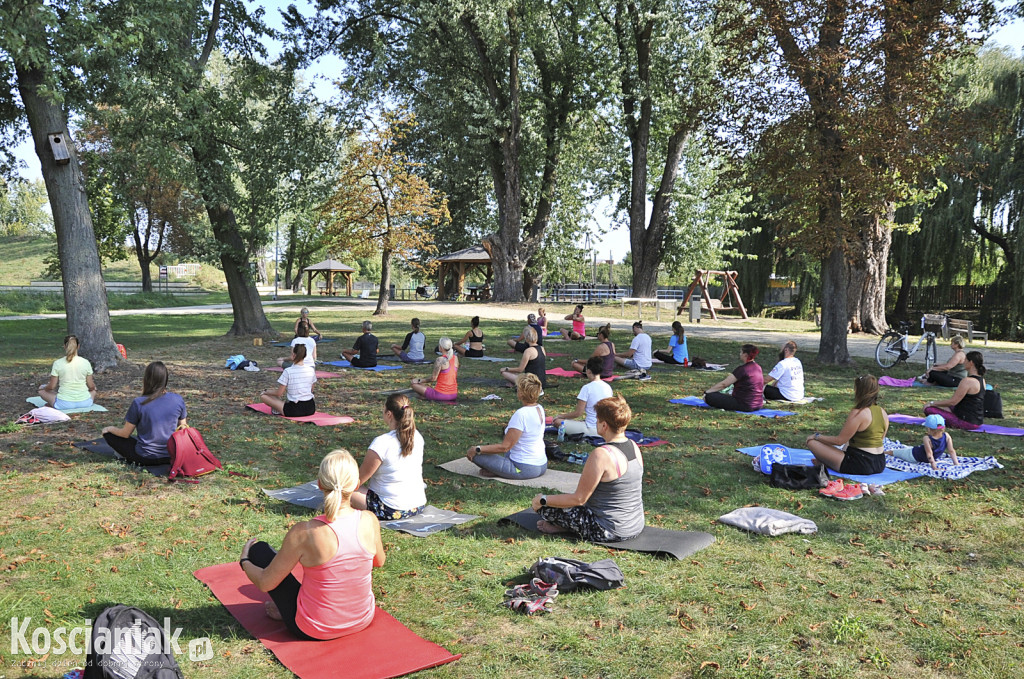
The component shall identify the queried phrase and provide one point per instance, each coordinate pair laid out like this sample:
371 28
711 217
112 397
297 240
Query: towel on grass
767 521
947 470
983 429
697 402
38 402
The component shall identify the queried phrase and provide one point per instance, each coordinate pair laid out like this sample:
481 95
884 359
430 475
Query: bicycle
893 348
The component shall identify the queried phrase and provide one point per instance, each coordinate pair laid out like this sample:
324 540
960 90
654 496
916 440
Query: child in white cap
935 443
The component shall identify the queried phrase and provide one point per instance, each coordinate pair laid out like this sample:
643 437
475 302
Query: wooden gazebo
328 268
460 263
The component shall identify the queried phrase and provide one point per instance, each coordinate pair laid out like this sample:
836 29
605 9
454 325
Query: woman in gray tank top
608 503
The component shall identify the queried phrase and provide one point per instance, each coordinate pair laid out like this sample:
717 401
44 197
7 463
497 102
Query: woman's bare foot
545 526
488 474
272 610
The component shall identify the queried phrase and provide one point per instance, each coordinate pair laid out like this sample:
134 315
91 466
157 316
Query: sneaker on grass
833 487
850 491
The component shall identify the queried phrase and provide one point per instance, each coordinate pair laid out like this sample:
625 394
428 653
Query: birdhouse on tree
59 146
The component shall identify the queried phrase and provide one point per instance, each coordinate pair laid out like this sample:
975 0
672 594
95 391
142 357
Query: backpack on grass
570 574
127 643
189 454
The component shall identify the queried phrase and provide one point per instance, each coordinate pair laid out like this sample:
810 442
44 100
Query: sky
611 241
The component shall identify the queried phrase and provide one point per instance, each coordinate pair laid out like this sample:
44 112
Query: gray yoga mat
430 520
38 402
657 541
564 482
101 447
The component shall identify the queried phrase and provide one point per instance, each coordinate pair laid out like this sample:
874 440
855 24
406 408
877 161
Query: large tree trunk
85 296
832 348
869 267
385 284
249 318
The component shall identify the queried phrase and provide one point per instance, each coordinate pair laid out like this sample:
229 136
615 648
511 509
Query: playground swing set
723 302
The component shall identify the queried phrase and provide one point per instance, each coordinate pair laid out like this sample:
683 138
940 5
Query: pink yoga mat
319 419
984 429
562 372
385 649
320 374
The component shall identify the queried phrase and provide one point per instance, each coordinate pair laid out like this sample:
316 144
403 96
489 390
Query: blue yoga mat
376 368
802 456
699 403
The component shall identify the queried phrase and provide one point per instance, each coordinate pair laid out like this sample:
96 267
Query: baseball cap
934 421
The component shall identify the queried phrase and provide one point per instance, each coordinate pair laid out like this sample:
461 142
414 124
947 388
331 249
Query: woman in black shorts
859 447
475 338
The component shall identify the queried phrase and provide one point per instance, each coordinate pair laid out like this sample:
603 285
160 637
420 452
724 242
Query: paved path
859 346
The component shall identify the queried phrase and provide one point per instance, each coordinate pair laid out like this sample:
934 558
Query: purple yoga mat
886 381
984 429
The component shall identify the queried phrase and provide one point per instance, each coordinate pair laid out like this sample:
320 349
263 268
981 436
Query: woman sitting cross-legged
520 455
301 337
411 350
70 385
294 396
392 471
678 353
534 361
608 504
748 392
858 448
153 416
472 343
593 391
965 409
445 377
953 371
337 550
605 350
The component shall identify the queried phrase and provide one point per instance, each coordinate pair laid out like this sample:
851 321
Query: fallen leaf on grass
917 622
713 665
746 607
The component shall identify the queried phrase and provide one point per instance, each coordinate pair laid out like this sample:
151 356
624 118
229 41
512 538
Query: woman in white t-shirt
520 455
593 391
391 476
301 337
411 350
786 380
294 396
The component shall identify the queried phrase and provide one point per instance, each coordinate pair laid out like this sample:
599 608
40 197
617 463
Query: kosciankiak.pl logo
124 642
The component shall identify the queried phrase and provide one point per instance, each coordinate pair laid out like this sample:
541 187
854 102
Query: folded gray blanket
768 521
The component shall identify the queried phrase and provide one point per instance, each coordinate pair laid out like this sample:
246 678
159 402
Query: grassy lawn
925 581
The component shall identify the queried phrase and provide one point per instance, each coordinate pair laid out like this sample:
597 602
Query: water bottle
561 432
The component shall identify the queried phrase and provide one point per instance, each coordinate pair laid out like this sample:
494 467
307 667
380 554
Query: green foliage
23 208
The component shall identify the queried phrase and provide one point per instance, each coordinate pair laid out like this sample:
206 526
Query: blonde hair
338 479
529 335
528 387
70 347
615 412
957 341
445 343
865 391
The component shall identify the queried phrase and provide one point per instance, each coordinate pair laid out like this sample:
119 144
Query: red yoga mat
320 374
385 649
319 419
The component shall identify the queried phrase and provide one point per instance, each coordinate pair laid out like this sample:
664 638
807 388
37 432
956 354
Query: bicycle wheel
888 350
930 355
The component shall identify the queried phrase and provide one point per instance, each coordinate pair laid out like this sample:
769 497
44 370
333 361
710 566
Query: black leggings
717 399
666 357
285 595
125 447
943 379
772 393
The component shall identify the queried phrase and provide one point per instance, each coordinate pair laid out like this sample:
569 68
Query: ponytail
299 352
416 324
405 420
978 360
70 347
677 329
606 330
338 479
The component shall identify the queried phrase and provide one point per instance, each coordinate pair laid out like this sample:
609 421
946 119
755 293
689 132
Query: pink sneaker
850 491
834 486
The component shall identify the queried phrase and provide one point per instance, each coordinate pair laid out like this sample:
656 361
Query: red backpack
189 454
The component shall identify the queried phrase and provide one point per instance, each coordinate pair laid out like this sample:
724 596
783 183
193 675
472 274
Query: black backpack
993 404
570 574
128 643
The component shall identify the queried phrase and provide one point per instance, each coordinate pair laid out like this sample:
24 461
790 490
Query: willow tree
852 88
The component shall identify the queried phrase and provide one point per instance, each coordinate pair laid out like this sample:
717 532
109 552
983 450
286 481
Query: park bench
964 327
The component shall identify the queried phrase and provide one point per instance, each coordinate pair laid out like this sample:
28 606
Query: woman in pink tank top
337 550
